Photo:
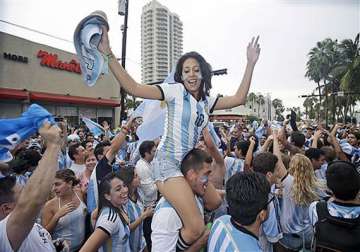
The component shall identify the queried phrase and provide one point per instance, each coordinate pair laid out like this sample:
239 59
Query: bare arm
36 191
200 243
212 198
123 78
315 139
218 173
95 241
292 148
267 143
149 211
49 218
339 153
281 169
249 154
117 142
213 150
253 52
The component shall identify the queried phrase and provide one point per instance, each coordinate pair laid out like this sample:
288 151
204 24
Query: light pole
123 10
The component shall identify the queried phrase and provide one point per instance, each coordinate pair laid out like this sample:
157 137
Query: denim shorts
298 241
164 167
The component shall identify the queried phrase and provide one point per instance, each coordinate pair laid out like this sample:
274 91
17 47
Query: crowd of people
289 186
272 187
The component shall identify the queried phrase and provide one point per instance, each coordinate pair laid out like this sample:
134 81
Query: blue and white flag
153 113
213 134
14 131
95 128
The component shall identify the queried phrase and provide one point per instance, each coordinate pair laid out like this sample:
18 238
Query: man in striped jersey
166 223
244 154
247 196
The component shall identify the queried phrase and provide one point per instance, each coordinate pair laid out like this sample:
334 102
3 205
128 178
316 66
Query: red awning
225 117
16 94
13 94
40 96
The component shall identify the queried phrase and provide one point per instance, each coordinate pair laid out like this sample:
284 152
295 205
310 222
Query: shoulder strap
322 211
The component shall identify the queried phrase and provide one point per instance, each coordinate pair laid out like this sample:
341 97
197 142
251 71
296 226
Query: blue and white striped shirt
233 166
227 237
336 209
270 230
137 240
109 221
185 119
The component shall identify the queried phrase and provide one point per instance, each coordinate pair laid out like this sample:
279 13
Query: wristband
125 130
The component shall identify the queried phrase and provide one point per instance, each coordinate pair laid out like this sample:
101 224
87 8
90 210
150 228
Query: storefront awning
7 93
40 96
13 94
226 117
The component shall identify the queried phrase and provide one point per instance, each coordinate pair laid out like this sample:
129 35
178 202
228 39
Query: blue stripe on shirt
185 120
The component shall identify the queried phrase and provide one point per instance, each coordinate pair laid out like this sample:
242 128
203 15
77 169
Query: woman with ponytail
64 215
112 225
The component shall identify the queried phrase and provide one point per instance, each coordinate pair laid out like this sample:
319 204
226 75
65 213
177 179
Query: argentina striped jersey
226 237
137 240
185 119
109 221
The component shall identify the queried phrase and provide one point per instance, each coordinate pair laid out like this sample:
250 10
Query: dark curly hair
205 69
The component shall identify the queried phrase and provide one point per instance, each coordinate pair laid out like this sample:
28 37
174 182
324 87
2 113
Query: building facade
260 108
36 73
161 41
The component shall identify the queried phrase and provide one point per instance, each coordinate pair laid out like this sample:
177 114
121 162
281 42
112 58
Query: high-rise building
161 41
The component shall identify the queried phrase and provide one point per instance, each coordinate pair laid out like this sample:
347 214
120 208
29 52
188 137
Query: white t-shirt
147 189
78 169
38 239
166 225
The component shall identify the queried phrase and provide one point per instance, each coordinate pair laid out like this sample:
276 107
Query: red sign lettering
51 60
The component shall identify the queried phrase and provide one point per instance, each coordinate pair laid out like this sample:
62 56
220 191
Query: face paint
204 179
186 75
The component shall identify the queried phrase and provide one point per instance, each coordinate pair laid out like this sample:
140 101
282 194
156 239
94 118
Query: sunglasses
267 203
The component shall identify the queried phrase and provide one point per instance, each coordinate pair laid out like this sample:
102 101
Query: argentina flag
153 113
95 128
15 130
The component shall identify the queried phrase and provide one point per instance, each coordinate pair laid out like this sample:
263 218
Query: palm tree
279 109
261 102
309 104
252 98
322 60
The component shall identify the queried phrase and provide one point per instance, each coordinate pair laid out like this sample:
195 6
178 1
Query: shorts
298 241
164 167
